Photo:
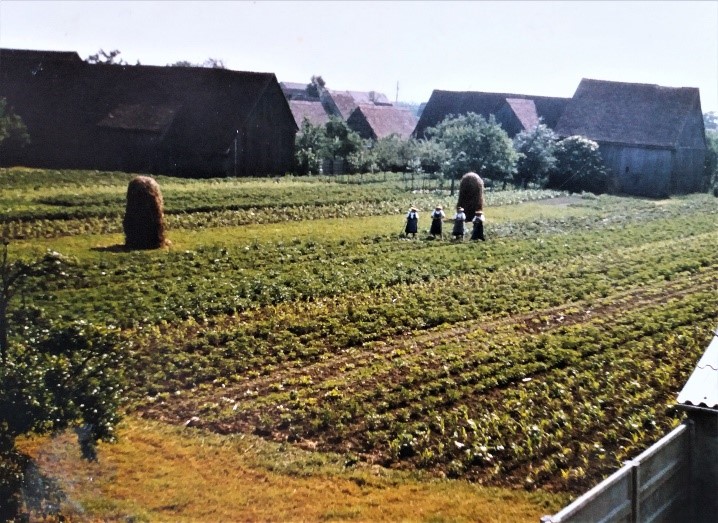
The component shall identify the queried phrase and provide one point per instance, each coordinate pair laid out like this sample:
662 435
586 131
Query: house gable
518 115
343 103
313 111
380 121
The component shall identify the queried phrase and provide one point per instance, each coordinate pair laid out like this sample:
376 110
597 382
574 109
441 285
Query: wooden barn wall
639 171
267 139
689 165
690 155
126 150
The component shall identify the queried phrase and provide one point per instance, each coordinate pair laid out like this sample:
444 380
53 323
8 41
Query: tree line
535 157
457 145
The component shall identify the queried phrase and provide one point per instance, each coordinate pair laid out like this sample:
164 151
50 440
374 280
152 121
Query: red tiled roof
384 120
312 111
525 111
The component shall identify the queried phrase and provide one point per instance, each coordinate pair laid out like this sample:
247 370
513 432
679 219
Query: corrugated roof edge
701 389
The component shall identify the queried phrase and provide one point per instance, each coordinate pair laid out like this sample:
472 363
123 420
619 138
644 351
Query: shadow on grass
118 247
25 492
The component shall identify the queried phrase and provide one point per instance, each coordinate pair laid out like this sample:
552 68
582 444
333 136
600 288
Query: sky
404 49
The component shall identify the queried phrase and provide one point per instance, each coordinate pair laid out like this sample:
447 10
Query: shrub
579 167
536 147
52 376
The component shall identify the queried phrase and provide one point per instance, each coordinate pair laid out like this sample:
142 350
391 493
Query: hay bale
144 222
471 195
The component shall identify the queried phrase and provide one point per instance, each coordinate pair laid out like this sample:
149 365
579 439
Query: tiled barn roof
629 113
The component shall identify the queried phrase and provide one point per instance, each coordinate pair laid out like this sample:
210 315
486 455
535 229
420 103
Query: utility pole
397 92
236 136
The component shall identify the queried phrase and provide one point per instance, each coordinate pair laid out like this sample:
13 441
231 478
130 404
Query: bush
537 159
53 377
579 167
309 148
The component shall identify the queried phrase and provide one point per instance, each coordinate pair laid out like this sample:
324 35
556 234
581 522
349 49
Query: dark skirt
412 225
478 232
458 228
436 227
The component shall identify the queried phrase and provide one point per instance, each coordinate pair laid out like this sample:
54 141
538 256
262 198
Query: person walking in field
478 231
459 219
437 223
412 222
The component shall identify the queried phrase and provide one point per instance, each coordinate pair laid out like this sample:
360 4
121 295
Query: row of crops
542 358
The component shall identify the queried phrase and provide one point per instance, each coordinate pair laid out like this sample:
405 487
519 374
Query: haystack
471 195
144 222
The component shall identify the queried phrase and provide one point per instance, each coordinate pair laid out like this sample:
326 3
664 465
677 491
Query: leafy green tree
341 141
431 154
537 159
52 376
710 121
579 166
711 169
12 128
474 144
392 153
309 147
210 63
364 159
103 57
316 86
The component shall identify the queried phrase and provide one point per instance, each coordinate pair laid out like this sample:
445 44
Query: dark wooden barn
652 138
183 121
512 111
379 121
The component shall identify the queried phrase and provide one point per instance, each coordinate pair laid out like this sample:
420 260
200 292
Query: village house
652 138
343 103
514 112
297 91
182 121
373 122
340 104
312 111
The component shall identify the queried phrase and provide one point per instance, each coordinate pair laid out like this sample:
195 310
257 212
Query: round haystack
144 222
471 195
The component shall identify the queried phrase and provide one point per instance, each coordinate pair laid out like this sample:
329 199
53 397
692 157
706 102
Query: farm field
290 313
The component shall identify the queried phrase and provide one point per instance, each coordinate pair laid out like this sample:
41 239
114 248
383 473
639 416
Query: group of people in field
438 217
